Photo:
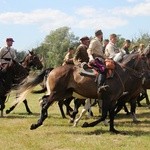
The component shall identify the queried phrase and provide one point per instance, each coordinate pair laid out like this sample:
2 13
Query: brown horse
13 72
31 60
63 81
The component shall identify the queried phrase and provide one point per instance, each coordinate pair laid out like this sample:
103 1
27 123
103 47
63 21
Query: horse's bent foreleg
77 104
84 110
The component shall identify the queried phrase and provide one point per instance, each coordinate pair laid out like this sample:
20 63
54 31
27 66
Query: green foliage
20 55
143 38
120 41
55 46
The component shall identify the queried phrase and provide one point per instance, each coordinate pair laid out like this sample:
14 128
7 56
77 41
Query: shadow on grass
99 132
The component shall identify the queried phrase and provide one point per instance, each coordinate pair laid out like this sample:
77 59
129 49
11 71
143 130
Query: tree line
55 45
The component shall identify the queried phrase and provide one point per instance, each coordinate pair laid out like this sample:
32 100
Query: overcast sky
29 21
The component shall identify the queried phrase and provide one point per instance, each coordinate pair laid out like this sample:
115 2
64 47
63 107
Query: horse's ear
31 52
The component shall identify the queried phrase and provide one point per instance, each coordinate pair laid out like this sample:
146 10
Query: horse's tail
27 87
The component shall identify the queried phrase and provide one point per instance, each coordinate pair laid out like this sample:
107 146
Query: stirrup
125 93
103 87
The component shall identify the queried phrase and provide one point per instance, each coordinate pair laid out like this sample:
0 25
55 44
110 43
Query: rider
81 52
7 53
95 50
69 56
126 46
111 50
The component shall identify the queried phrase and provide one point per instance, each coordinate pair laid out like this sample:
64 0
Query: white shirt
111 50
7 52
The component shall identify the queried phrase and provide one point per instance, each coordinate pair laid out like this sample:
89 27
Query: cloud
93 18
140 9
46 19
131 1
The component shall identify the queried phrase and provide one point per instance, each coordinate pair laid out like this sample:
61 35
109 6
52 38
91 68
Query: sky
29 21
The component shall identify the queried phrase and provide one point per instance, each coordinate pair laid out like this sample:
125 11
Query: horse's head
32 60
138 62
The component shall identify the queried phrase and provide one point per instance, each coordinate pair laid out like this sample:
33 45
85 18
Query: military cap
98 32
10 39
84 38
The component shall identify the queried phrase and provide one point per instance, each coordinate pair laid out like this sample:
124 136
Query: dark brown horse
31 60
9 75
63 81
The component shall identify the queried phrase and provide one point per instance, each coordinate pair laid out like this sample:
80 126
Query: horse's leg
126 109
11 108
118 107
77 104
133 108
111 116
139 98
2 104
67 104
44 111
27 107
84 110
60 104
147 99
105 109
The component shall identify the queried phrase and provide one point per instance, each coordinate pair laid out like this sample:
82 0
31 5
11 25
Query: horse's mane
147 50
129 58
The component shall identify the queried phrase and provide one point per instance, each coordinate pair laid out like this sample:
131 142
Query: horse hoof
33 126
114 131
85 124
128 113
136 121
7 111
30 113
71 121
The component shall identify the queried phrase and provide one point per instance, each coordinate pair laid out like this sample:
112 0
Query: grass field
58 134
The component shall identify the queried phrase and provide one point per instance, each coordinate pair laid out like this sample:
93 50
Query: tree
143 38
20 55
55 46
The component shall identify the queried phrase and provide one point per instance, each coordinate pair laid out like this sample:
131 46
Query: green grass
57 134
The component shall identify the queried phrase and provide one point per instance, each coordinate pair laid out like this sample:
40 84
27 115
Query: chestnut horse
63 81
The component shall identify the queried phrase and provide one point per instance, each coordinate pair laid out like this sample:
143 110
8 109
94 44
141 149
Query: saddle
88 71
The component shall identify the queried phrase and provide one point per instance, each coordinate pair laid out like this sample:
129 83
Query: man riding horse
95 50
7 53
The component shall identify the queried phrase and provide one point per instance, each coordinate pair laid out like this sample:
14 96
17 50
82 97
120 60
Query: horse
63 81
31 60
9 75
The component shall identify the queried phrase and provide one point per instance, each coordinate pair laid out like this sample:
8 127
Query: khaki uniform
68 59
96 48
111 50
81 54
6 54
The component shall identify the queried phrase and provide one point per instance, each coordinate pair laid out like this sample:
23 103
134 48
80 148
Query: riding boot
101 81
